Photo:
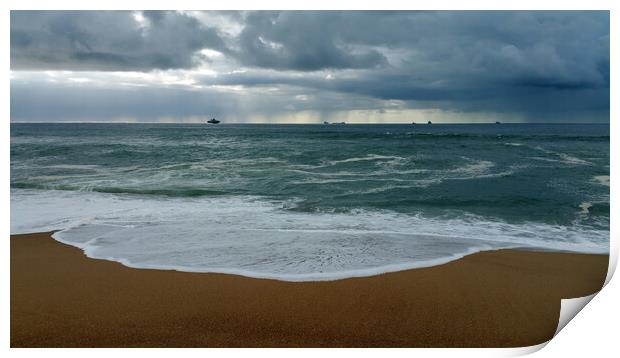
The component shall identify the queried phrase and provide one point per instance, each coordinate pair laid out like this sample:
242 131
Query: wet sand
506 298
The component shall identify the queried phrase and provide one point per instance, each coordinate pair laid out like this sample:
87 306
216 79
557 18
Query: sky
310 66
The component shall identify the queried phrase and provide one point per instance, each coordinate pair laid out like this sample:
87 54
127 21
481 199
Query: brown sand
60 298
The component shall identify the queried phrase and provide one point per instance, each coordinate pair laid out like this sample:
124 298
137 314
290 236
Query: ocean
310 202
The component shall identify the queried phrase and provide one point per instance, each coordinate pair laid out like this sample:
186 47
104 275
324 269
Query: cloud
301 41
51 98
108 40
115 96
537 65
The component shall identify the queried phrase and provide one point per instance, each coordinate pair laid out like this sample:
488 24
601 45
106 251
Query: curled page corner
569 309
571 306
613 261
523 351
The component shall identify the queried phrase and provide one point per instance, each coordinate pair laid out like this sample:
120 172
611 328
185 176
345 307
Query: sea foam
259 237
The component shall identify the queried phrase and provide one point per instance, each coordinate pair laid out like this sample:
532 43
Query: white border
593 331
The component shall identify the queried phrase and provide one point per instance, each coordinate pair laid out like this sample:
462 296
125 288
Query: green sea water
316 189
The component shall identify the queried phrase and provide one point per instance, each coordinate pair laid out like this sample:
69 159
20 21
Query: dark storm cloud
543 99
454 45
561 47
107 40
536 62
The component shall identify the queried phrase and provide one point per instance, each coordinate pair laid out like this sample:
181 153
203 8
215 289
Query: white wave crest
257 237
602 179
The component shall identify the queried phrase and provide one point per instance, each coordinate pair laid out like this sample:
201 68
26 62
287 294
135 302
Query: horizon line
289 123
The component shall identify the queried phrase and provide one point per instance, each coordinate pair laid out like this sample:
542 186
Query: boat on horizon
213 121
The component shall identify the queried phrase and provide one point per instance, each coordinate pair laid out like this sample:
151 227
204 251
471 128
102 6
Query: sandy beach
506 298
